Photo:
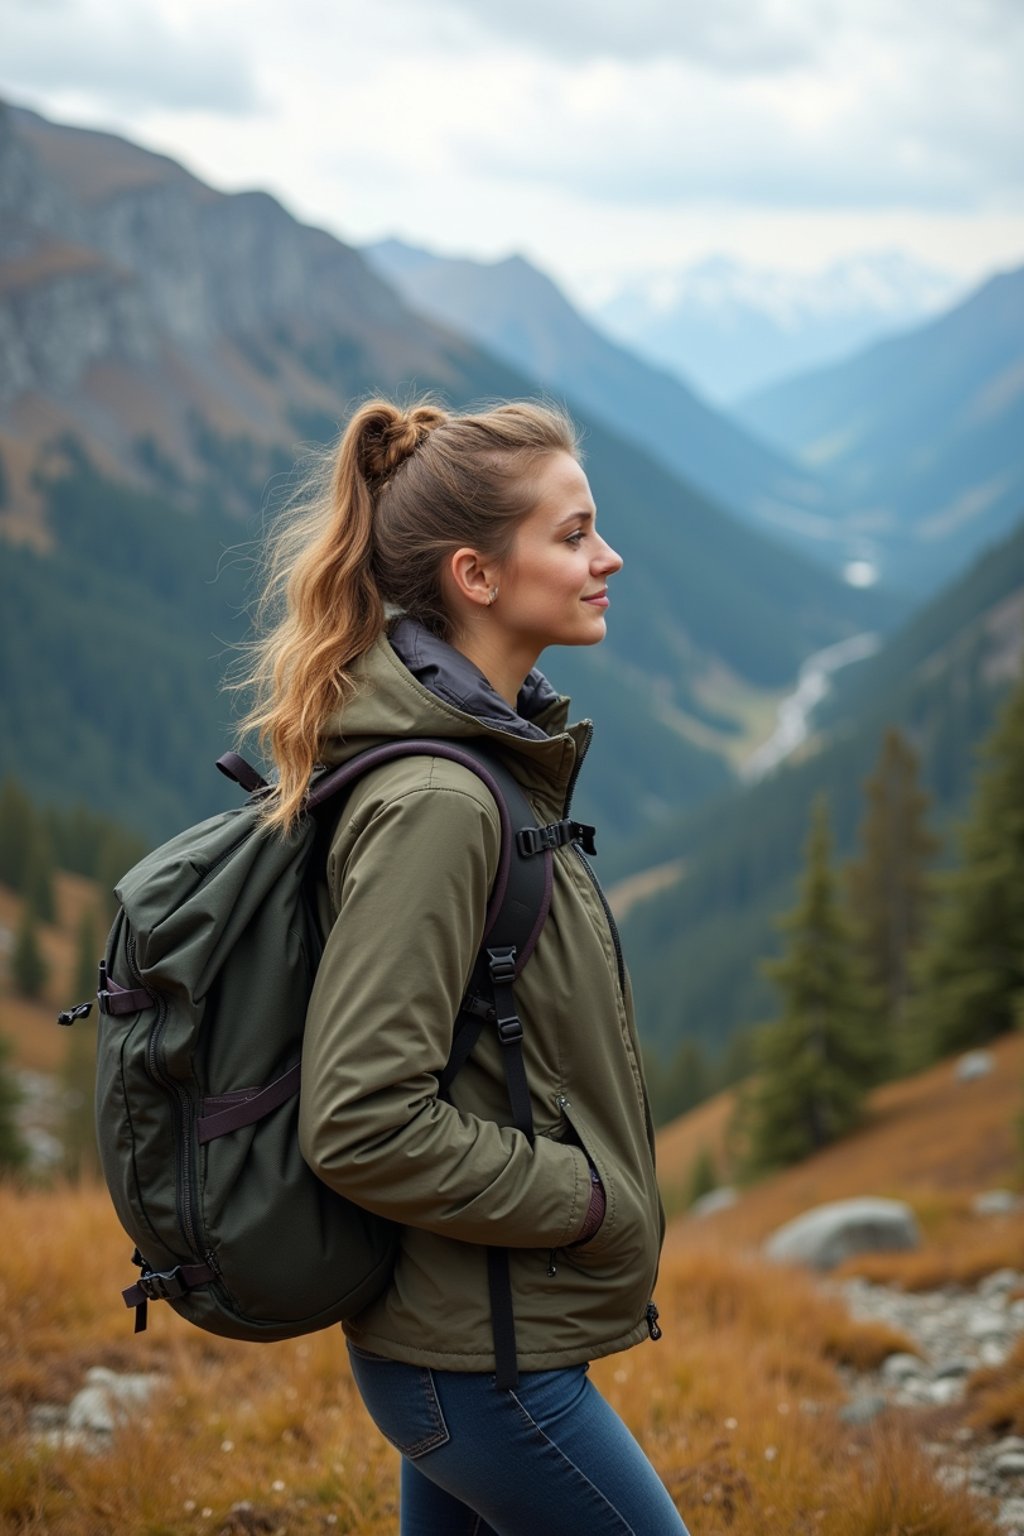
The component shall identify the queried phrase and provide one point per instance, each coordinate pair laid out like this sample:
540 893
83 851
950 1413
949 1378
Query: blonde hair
370 527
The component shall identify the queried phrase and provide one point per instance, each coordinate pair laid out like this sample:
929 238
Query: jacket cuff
595 1210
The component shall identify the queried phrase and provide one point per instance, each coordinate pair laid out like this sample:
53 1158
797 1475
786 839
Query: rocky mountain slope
919 436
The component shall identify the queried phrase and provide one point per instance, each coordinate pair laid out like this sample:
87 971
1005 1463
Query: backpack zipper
185 1198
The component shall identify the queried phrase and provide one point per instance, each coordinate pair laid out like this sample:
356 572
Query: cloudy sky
598 137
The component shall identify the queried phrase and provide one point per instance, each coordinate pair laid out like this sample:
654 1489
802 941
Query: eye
576 539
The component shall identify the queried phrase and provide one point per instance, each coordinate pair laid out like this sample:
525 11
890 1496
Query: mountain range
918 436
519 313
166 350
735 327
880 492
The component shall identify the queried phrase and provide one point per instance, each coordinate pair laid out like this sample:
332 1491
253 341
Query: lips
599 599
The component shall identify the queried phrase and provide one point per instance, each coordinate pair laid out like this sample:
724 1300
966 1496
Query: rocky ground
956 1330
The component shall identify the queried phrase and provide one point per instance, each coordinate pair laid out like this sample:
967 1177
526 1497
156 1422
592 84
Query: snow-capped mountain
731 328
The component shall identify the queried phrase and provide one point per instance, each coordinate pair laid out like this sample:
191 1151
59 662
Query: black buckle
510 1030
531 840
162 1284
502 965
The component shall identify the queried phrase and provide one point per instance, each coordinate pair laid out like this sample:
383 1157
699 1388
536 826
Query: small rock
862 1410
994 1202
47 1416
987 1325
108 1399
1011 1516
827 1234
901 1367
974 1064
715 1200
952 1368
92 1410
999 1283
946 1390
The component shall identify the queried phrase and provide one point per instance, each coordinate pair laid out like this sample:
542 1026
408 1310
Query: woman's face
552 588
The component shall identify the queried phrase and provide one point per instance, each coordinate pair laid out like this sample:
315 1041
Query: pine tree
87 956
969 980
13 1152
81 1158
815 1063
37 885
703 1178
888 889
17 822
680 1085
29 970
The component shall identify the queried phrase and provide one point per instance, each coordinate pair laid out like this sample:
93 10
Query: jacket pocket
621 1243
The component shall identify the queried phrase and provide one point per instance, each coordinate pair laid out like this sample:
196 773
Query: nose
606 560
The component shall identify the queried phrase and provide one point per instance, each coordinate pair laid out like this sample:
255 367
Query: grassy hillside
927 1139
244 1439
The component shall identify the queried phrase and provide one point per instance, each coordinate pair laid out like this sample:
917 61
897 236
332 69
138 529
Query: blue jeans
548 1458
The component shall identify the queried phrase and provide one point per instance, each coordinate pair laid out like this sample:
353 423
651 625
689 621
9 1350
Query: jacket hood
411 683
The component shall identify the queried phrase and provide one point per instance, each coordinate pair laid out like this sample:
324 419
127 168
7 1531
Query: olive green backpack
203 993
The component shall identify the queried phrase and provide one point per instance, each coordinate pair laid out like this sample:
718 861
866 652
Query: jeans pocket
401 1400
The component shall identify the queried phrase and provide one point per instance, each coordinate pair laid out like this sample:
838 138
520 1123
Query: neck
506 673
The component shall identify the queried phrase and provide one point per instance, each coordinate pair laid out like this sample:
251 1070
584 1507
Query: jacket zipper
186 1202
569 791
185 1183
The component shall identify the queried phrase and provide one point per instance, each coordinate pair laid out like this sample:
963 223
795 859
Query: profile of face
553 586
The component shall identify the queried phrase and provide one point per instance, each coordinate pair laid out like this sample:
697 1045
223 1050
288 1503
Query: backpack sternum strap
531 840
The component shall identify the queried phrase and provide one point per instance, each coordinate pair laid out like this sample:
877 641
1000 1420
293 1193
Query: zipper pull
652 1321
552 1265
70 1015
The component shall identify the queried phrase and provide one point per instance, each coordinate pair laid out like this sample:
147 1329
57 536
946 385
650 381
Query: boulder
974 1064
108 1399
826 1235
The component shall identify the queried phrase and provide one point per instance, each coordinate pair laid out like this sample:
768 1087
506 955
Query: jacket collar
451 676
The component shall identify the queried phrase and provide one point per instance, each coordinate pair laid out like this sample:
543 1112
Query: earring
493 596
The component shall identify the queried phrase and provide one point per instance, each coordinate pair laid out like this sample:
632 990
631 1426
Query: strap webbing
502 969
167 1284
503 1319
231 1111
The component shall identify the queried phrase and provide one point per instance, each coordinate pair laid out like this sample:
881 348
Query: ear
472 576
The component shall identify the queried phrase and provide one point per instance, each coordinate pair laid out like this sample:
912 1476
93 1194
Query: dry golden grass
736 1406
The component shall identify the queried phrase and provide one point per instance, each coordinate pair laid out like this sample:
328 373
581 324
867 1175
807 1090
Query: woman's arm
411 902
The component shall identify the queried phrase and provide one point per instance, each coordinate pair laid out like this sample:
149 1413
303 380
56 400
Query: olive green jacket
410 867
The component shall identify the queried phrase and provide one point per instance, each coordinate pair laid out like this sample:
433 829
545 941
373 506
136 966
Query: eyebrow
575 517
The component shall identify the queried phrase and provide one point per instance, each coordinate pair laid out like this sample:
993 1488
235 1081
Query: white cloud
596 138
127 57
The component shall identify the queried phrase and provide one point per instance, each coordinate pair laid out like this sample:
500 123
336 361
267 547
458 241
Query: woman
444 554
